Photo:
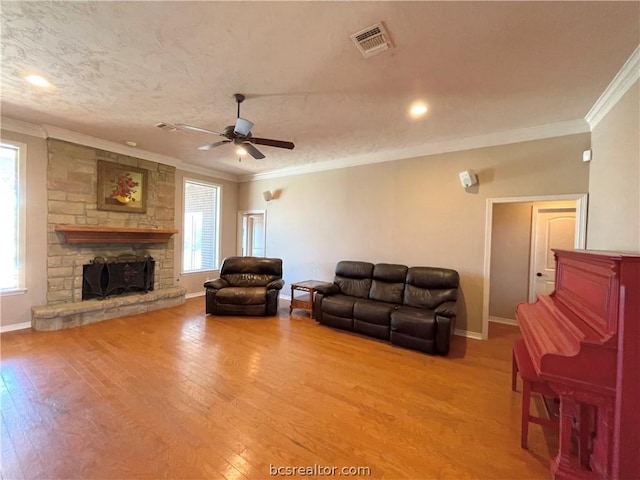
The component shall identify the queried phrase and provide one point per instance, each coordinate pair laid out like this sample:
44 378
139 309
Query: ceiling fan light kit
243 127
238 134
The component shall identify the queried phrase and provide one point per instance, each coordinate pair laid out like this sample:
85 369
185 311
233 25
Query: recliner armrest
275 284
328 289
216 284
447 309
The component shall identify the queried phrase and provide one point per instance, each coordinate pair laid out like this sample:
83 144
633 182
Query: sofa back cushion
251 271
388 283
354 278
428 287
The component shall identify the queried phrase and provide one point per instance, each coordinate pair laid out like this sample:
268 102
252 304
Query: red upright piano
584 341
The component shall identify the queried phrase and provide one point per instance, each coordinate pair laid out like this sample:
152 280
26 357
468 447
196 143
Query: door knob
539 274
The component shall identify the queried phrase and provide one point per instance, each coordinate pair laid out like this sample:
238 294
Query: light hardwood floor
177 394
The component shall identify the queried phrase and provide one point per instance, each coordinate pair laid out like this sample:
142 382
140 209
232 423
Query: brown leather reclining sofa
412 307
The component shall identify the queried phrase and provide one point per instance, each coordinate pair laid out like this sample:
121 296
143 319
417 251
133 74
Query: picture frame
122 188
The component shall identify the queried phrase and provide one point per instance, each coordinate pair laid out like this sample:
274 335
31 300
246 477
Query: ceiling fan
239 134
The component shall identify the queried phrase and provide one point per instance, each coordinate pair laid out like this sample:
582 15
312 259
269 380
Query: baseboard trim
468 334
504 321
194 295
285 297
15 326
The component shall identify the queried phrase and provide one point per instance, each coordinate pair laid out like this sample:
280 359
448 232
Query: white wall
614 184
411 211
16 309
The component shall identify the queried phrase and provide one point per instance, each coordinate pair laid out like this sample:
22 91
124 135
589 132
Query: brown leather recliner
247 286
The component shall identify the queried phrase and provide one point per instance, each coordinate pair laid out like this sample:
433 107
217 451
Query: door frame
241 216
581 240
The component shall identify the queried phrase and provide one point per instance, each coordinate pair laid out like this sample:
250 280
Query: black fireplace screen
104 277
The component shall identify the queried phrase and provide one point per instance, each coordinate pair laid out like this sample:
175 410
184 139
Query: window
200 248
12 178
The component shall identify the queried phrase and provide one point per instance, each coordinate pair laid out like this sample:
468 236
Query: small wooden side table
305 300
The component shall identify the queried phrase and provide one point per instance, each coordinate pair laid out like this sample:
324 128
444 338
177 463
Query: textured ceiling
118 68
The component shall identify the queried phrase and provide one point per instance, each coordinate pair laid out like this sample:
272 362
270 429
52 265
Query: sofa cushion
414 343
354 278
372 311
433 277
251 271
415 322
259 265
390 272
388 283
338 305
353 269
337 321
371 329
242 295
428 287
247 279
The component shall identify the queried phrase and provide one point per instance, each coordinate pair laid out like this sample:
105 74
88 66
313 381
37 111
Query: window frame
218 222
21 172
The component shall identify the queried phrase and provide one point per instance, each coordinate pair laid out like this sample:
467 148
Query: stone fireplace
78 233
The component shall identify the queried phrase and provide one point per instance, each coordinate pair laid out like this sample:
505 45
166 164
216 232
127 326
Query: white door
251 233
553 227
256 235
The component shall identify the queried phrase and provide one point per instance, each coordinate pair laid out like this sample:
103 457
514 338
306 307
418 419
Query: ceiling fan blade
253 151
243 127
272 143
209 146
196 129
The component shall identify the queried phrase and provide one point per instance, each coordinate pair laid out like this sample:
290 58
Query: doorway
252 233
553 226
555 214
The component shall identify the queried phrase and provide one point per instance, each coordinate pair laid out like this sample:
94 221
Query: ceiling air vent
372 40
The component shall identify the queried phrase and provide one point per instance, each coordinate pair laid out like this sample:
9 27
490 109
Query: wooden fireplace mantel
92 234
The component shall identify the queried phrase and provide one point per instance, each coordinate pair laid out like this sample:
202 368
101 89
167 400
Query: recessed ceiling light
241 151
131 143
418 110
38 80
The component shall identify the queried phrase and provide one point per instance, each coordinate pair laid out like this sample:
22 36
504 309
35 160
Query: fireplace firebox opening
105 277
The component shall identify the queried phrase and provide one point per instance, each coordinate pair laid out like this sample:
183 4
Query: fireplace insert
105 277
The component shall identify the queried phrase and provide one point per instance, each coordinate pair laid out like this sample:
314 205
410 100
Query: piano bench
531 383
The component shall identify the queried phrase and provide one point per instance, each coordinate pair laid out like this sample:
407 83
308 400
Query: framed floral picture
122 188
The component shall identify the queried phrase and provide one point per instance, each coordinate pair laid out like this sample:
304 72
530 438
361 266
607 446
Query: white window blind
200 248
12 170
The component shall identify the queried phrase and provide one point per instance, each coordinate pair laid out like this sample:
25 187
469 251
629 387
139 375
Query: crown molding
621 83
50 131
18 126
469 143
95 142
207 172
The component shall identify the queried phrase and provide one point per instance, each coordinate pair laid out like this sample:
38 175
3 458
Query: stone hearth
66 315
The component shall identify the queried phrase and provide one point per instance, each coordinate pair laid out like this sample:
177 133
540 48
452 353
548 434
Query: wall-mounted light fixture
268 195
